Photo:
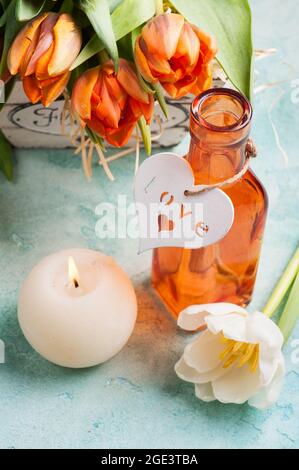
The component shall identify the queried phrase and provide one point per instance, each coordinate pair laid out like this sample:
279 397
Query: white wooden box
31 125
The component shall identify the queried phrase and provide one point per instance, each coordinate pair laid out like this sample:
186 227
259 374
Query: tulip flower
42 54
236 358
111 103
175 53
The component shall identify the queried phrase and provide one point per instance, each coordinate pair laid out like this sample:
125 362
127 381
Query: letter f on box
2 352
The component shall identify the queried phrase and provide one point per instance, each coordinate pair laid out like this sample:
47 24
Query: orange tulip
42 54
175 53
111 104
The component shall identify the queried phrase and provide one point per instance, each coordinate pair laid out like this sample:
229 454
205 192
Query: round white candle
78 318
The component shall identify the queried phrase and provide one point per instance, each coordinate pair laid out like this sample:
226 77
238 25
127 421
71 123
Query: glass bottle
225 271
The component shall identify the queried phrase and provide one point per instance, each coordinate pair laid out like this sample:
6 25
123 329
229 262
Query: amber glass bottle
225 271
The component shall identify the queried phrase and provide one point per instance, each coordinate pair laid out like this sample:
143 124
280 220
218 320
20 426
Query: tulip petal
142 64
41 67
193 317
267 364
52 88
181 88
236 386
95 124
204 80
261 329
232 325
205 392
188 47
267 396
119 137
31 88
203 354
116 90
185 372
162 34
44 41
208 45
67 39
159 66
108 109
128 79
136 109
189 374
29 53
21 43
141 109
82 92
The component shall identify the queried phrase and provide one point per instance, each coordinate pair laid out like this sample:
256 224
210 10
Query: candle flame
73 272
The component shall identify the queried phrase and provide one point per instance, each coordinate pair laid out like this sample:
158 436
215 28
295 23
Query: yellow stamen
247 355
237 346
227 351
230 361
223 339
255 359
244 353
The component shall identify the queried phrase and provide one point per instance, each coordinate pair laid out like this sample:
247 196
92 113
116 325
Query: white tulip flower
237 358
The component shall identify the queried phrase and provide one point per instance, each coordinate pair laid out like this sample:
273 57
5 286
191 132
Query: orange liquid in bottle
225 271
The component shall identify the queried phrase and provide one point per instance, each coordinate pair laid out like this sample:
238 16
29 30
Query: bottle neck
219 128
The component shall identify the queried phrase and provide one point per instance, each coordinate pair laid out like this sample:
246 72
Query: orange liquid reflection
226 270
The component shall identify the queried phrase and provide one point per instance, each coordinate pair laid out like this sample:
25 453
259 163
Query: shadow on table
149 359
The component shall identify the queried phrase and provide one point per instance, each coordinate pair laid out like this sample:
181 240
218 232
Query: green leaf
125 48
3 19
74 75
113 4
130 14
93 46
148 87
6 164
126 17
4 3
4 7
95 138
146 134
230 22
28 9
160 97
98 14
134 34
66 6
282 286
290 313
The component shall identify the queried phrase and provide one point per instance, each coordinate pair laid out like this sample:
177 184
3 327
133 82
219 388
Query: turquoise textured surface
135 399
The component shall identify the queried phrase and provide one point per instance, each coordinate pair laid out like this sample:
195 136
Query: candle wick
76 283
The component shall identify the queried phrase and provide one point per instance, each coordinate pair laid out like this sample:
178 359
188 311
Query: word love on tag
167 216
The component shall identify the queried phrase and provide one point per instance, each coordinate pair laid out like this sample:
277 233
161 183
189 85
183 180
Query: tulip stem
146 134
159 7
103 56
283 285
290 312
67 6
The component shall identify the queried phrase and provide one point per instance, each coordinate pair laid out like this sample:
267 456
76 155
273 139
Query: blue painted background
136 400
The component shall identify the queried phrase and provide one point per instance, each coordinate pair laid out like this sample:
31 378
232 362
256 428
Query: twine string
250 152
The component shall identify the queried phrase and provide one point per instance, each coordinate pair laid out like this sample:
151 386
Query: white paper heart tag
168 217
